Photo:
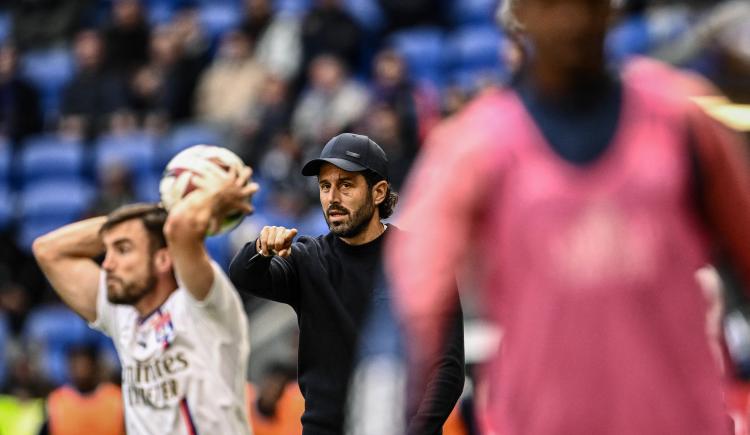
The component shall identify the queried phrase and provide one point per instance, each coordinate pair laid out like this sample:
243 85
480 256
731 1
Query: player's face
566 33
347 202
128 263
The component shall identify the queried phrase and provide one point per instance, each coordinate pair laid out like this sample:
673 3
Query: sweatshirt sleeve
724 187
273 278
445 385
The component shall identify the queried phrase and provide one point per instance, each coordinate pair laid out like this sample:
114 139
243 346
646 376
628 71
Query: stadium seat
49 204
628 38
423 49
136 151
53 330
220 249
187 135
475 56
367 13
294 8
49 71
473 11
6 161
218 17
6 24
49 156
147 187
7 207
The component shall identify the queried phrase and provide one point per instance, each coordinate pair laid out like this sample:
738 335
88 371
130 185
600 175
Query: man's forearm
76 240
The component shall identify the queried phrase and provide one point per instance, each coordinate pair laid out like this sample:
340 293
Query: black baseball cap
350 152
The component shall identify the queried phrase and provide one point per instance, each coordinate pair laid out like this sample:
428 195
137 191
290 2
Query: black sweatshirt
329 285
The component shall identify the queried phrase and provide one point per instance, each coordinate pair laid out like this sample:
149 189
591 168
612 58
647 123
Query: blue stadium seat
473 11
475 47
136 151
7 207
147 187
220 249
49 156
49 71
218 17
367 13
295 8
54 329
6 161
49 204
628 38
6 25
423 49
159 11
185 136
475 56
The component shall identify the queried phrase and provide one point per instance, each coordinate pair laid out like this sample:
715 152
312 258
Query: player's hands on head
275 241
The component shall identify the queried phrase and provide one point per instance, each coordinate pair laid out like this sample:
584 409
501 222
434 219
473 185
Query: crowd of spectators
272 80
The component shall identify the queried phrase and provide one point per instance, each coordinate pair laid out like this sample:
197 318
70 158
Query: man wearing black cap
329 281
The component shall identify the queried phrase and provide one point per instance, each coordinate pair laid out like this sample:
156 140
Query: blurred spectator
408 13
93 93
454 99
393 88
258 16
264 120
126 37
115 189
276 404
165 87
21 404
332 103
88 406
231 84
42 23
20 113
14 302
276 38
282 164
383 126
329 29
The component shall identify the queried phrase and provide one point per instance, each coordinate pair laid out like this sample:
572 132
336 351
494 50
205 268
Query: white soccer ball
179 177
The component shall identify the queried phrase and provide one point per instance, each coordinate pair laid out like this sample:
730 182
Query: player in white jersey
175 318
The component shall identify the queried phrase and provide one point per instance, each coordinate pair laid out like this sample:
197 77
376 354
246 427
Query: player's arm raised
66 258
196 215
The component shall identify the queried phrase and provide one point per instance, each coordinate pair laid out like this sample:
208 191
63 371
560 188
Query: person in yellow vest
86 406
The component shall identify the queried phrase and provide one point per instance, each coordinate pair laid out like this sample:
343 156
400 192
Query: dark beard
132 294
358 223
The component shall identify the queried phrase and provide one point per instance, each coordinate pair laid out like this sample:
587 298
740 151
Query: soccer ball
177 179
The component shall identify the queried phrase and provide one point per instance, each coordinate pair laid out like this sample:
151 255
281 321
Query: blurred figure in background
87 405
126 37
276 405
582 202
21 402
332 103
231 84
264 121
20 112
278 45
94 93
329 29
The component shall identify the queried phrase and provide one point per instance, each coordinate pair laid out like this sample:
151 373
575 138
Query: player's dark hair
391 197
152 216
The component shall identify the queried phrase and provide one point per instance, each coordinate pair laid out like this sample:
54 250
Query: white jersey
183 365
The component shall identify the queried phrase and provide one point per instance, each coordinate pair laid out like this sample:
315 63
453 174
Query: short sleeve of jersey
105 310
222 303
